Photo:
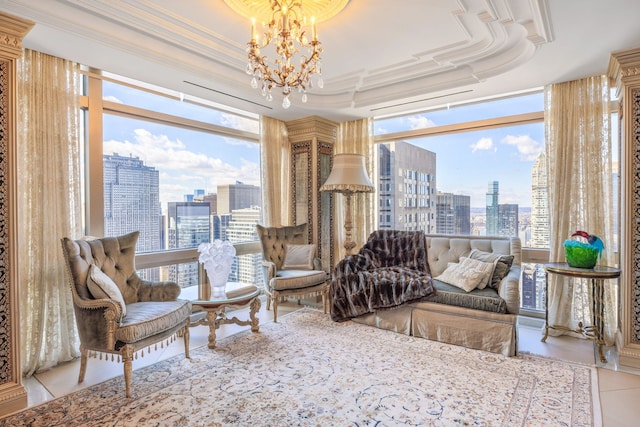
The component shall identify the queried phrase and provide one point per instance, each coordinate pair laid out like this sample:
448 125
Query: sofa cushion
486 299
145 319
296 279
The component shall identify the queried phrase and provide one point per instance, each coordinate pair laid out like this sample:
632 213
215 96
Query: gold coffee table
215 309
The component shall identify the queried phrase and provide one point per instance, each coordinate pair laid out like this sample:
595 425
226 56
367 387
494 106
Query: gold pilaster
13 396
312 142
624 72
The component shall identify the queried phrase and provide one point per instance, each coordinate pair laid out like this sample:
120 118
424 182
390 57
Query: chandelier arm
287 37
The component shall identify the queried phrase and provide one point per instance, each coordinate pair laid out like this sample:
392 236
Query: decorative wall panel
325 205
301 174
624 72
6 359
13 396
634 135
312 140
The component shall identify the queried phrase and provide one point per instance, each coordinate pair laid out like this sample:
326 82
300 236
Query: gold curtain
275 152
356 137
49 205
578 151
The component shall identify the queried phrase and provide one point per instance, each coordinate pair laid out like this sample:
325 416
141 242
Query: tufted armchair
116 311
290 267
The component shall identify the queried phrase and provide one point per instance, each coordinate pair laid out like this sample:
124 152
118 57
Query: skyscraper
407 176
132 200
508 220
492 208
453 214
540 237
237 196
242 228
188 226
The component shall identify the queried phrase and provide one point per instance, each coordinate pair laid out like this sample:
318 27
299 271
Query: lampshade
348 175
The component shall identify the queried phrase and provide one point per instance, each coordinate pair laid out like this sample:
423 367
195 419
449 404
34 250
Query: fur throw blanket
389 270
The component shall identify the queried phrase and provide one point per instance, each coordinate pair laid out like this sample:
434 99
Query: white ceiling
381 57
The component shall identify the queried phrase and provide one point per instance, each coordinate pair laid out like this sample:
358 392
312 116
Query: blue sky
466 162
186 159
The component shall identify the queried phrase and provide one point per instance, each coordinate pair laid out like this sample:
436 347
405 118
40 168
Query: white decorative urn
217 258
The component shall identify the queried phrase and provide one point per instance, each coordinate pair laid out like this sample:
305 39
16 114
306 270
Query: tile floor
619 386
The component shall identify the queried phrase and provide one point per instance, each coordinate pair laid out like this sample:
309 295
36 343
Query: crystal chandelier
297 57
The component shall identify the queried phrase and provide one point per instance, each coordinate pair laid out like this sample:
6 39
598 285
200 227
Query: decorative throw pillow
461 276
101 286
502 269
502 265
485 267
299 257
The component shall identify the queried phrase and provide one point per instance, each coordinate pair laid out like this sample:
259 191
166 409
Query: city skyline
468 160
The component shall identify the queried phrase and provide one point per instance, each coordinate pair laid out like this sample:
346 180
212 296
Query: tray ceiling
378 59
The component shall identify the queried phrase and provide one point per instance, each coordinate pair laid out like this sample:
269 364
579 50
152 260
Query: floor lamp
348 176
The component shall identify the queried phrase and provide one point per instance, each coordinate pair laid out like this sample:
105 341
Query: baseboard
13 398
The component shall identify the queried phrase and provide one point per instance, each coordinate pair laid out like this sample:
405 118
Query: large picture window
475 169
180 170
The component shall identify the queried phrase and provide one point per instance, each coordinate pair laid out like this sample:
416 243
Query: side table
597 275
215 310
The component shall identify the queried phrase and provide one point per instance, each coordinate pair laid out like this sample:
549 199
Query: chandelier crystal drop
285 35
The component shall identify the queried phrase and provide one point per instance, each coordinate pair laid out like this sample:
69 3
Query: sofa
484 319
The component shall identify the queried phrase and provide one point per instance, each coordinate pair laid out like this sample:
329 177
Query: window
180 170
482 175
477 174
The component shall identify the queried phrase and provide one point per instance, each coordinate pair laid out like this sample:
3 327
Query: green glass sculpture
580 254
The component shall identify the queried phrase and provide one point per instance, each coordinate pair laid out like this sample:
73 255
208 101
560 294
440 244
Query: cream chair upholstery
279 282
152 312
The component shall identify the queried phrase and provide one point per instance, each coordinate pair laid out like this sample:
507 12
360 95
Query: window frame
95 107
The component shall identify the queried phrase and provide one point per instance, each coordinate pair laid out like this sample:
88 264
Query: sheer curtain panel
578 151
356 137
275 153
49 206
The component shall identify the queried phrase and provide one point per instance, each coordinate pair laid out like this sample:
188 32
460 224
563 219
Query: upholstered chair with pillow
290 266
117 312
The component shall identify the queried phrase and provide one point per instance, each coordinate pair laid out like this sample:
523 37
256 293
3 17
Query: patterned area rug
309 371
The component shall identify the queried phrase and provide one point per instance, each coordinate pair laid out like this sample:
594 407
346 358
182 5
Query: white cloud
482 144
420 122
182 171
241 123
112 98
381 131
528 148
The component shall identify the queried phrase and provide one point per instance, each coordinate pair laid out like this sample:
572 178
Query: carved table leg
211 320
255 307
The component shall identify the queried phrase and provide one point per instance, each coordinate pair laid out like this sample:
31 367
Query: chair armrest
96 321
317 264
268 272
158 291
509 289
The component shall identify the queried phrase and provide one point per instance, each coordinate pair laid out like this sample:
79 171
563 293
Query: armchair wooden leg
127 358
275 307
325 294
83 363
268 302
185 336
